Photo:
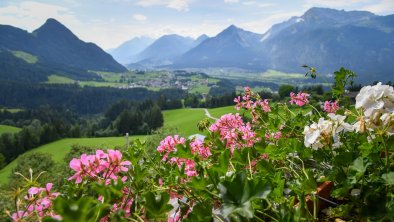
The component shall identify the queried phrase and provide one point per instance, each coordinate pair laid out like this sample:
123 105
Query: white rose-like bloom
319 134
313 133
378 98
339 124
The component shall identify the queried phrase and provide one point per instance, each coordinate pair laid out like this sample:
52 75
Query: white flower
378 98
314 133
339 124
325 132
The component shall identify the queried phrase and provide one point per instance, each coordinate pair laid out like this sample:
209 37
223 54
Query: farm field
184 121
9 129
218 112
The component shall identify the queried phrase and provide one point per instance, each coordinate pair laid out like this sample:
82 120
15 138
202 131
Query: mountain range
52 49
323 38
127 52
326 39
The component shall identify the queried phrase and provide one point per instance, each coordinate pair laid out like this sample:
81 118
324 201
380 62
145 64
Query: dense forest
46 124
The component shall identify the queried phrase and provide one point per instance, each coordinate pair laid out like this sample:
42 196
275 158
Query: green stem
386 154
217 217
273 219
257 218
314 205
250 166
138 217
315 110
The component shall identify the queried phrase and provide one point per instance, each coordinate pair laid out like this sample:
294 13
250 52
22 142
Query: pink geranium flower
197 146
168 145
331 107
232 129
300 99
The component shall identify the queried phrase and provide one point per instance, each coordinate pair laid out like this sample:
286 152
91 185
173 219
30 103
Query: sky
108 23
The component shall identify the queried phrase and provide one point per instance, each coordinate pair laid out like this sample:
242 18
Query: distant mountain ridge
127 52
323 38
233 47
57 48
328 39
167 49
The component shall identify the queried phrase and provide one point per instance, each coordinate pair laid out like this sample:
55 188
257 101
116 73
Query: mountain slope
233 47
58 49
127 52
328 39
59 45
166 49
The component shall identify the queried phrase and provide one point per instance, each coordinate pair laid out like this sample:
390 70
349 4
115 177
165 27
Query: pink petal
33 190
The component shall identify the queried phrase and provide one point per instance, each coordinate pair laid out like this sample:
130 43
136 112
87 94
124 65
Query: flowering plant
266 165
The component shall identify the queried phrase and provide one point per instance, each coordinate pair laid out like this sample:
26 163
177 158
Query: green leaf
222 166
201 212
359 165
157 206
357 170
388 178
238 194
198 183
83 209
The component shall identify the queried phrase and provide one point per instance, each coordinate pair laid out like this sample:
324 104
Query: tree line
46 124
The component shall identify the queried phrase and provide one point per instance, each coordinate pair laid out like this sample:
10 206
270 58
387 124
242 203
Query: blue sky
108 23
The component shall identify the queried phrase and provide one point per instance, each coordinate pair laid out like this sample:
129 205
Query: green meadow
8 129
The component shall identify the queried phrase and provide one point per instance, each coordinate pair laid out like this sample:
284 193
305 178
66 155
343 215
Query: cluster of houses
167 80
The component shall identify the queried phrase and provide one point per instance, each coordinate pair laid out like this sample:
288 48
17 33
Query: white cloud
180 5
255 3
261 26
382 7
332 3
231 1
30 14
140 17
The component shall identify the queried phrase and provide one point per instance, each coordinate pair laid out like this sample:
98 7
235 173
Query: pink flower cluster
190 169
232 129
100 166
168 145
197 146
39 203
331 107
300 99
251 102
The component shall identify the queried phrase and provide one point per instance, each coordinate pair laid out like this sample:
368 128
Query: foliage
284 90
40 162
270 168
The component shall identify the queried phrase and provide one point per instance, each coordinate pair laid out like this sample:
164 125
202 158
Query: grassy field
8 129
60 148
11 110
218 112
183 120
55 79
29 58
